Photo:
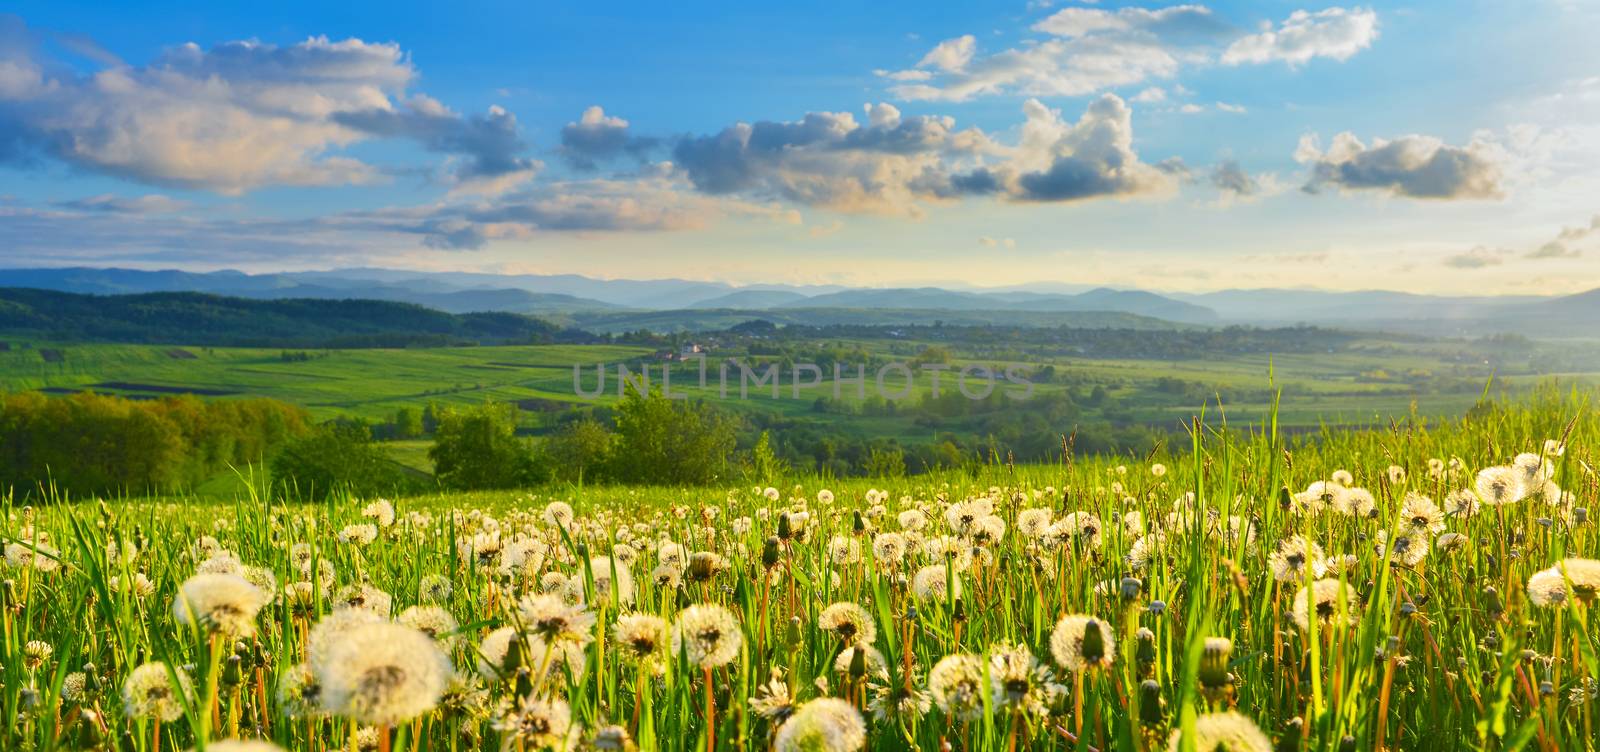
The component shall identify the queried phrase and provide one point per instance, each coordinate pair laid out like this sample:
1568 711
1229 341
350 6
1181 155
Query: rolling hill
203 319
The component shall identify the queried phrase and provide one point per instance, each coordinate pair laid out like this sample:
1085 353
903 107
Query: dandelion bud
1093 648
1491 601
1214 662
8 594
524 681
583 550
232 674
770 553
858 664
1150 701
90 732
959 613
1292 731
1157 607
784 531
1347 744
792 635
858 524
1145 651
1131 586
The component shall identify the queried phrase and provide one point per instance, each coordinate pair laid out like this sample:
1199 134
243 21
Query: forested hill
201 319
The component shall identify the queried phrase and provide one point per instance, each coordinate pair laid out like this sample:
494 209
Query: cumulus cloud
487 146
1091 158
1335 33
597 137
895 164
1411 166
829 159
239 115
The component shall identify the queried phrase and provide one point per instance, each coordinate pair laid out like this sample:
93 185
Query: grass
1439 651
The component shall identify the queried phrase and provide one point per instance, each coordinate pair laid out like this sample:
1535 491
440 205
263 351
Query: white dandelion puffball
381 674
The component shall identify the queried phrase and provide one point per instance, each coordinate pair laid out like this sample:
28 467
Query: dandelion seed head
1223 732
826 724
148 692
383 674
708 634
223 604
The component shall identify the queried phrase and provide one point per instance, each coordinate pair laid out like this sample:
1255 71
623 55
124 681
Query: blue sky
1429 146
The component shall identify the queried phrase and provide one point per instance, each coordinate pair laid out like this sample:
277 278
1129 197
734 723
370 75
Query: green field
1122 404
372 383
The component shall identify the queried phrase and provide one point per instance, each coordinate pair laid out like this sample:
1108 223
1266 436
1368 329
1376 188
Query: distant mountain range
577 298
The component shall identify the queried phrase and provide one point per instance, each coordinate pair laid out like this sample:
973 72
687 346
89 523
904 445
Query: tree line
90 443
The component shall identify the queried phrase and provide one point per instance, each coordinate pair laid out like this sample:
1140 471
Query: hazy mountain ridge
577 296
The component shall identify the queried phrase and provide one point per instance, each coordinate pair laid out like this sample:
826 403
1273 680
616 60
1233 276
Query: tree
478 448
579 448
765 464
886 462
670 442
407 423
338 456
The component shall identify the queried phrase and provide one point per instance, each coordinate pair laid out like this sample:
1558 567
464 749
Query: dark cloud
1410 166
1227 176
829 159
491 143
150 204
597 137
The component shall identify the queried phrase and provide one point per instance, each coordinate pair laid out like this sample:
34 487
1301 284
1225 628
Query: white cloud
1335 33
1233 108
1150 95
239 115
951 55
1086 50
1079 22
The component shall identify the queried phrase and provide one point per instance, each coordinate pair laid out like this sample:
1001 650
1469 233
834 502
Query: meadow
1114 401
1420 586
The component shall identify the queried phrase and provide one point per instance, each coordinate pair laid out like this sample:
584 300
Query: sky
1447 146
